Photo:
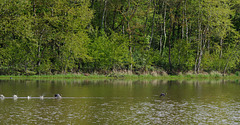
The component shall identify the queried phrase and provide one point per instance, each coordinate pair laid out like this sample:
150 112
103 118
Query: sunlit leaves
110 51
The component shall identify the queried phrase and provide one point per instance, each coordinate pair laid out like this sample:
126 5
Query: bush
154 73
189 73
163 73
237 73
215 73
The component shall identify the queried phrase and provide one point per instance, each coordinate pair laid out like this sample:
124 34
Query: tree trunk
123 29
229 57
199 60
200 48
186 20
164 25
221 43
183 17
152 25
39 50
160 41
169 52
130 37
130 46
196 60
103 16
169 45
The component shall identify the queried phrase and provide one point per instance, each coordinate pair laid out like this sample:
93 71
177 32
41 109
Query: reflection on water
120 102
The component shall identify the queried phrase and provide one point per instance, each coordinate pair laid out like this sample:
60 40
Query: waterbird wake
56 96
39 98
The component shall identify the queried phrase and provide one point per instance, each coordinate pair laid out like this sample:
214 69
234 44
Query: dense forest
72 36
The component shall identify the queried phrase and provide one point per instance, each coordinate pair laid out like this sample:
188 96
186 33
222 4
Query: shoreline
124 77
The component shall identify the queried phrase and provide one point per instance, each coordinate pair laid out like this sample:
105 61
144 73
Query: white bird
15 97
2 96
41 97
28 97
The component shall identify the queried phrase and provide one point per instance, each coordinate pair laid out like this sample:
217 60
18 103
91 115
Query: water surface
120 102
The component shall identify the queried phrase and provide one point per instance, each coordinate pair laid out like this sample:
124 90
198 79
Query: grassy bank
125 76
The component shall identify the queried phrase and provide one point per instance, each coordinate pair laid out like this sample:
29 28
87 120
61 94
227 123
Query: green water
120 102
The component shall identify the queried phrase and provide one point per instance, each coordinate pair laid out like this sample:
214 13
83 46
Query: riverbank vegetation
126 76
157 37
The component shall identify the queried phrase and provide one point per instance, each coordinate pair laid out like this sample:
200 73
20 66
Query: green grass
59 76
127 76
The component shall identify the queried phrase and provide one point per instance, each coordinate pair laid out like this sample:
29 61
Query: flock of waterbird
57 96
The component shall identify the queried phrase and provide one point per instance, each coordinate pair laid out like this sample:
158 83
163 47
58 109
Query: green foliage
44 37
183 55
109 52
237 73
41 35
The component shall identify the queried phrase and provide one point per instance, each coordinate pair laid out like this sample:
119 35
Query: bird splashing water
2 96
58 96
15 96
41 97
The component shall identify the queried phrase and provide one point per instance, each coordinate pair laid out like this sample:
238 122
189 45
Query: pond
120 102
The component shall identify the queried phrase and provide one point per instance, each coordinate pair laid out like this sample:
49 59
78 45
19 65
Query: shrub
189 73
237 73
154 73
164 73
215 73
